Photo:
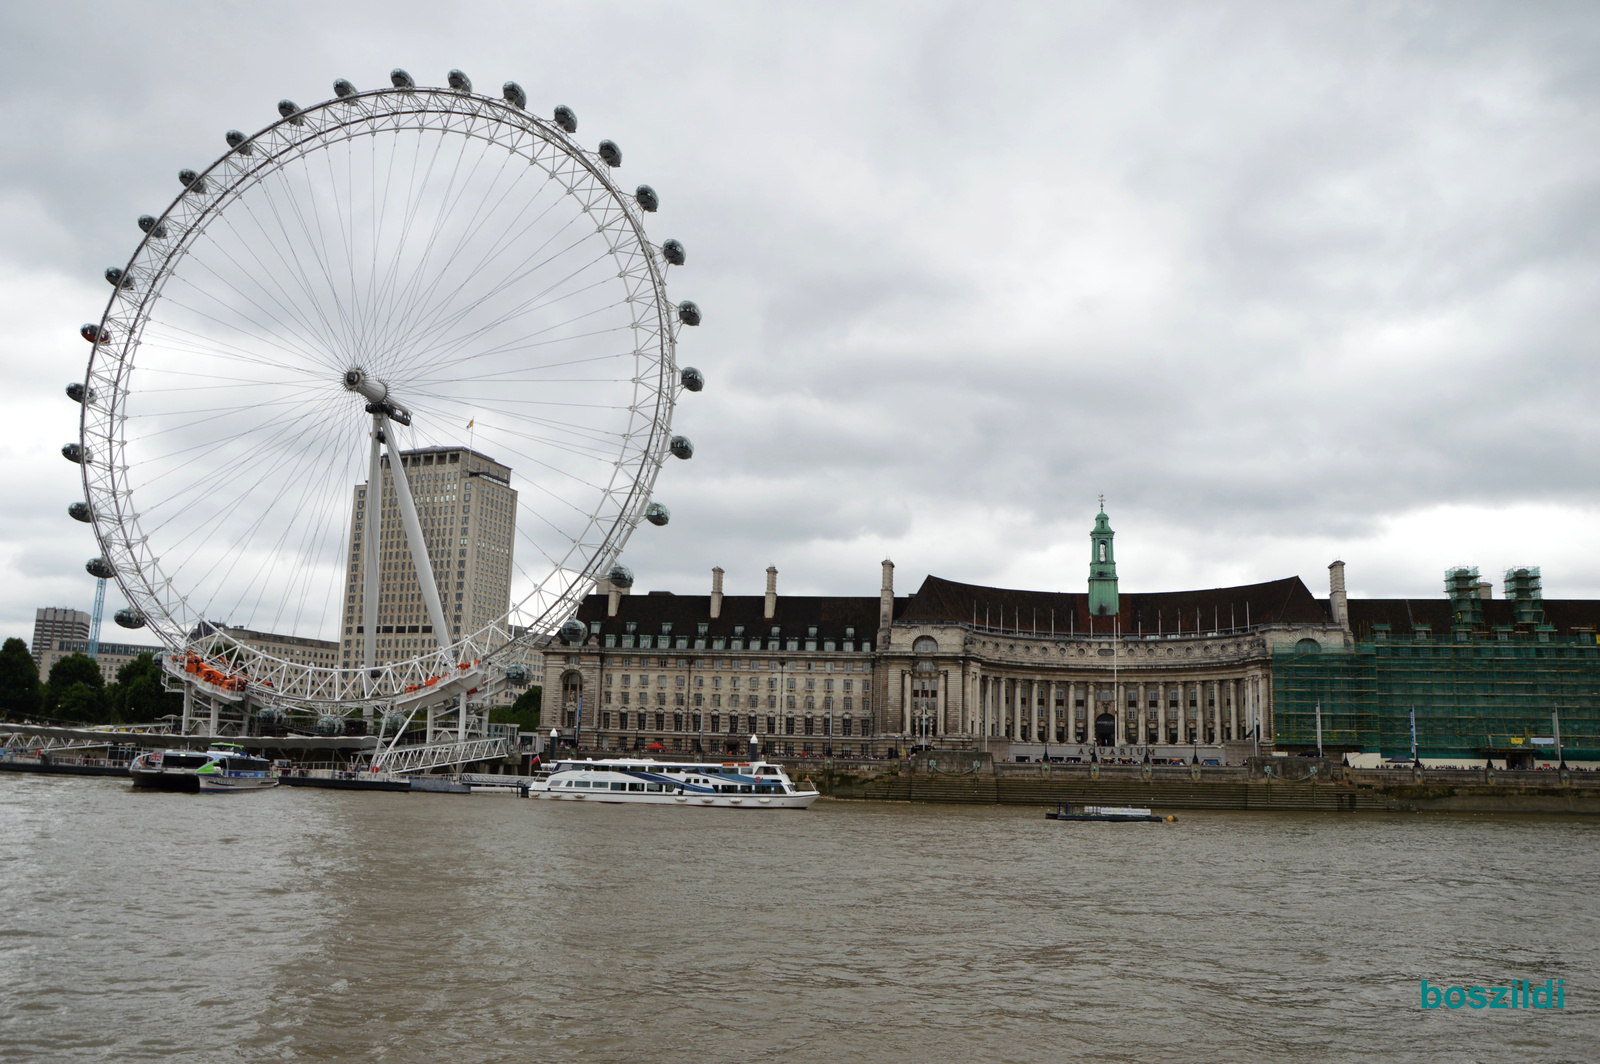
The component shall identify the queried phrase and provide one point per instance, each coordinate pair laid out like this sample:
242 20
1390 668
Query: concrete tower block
1337 599
771 609
716 593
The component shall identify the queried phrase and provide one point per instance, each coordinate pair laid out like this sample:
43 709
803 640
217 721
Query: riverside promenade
1288 784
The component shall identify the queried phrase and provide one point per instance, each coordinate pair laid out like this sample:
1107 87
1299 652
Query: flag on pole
471 423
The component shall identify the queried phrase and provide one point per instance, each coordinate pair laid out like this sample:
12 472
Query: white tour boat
224 767
645 781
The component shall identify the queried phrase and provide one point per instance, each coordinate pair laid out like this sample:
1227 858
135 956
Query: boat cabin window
769 770
183 761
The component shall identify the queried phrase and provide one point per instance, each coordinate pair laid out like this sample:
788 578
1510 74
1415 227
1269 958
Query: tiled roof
1402 615
1285 601
794 614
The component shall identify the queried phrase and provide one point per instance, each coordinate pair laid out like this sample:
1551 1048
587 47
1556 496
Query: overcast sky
1284 282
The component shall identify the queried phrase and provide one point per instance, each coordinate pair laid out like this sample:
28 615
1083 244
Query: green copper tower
1102 567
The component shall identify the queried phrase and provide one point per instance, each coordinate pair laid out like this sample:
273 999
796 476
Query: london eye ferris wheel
377 325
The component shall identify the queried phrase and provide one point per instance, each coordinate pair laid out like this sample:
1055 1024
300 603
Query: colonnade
1023 708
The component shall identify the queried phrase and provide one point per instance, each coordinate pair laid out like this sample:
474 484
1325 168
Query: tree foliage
77 691
524 712
19 680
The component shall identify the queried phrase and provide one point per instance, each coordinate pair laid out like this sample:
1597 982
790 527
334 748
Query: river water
321 925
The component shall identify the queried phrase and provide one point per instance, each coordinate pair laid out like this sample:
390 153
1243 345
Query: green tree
138 697
64 674
524 712
19 680
83 703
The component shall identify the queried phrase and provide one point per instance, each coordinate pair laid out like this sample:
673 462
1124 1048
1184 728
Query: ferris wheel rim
104 476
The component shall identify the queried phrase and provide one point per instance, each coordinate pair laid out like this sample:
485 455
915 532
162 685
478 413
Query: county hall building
1099 674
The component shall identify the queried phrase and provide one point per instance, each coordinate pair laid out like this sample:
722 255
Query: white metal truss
403 760
135 555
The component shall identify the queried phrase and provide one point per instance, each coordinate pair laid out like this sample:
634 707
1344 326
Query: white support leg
419 549
372 538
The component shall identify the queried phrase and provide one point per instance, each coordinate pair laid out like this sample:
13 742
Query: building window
716 722
788 725
772 725
661 722
808 725
677 722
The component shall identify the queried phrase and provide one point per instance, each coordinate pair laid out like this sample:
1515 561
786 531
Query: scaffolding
1526 594
1488 696
1461 584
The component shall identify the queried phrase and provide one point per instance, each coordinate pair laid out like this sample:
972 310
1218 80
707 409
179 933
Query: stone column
905 703
1033 707
1233 710
1119 709
941 680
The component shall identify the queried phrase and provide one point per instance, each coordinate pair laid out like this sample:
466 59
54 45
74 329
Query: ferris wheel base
468 683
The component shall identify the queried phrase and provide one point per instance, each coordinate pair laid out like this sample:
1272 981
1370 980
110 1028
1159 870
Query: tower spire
1103 600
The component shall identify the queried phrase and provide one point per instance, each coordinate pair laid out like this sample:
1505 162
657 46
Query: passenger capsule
567 118
648 200
343 89
657 514
74 452
620 576
239 142
514 95
330 726
681 447
128 617
289 110
152 225
99 567
517 674
573 631
93 333
672 251
393 722
79 511
693 379
78 393
270 717
459 81
191 181
688 312
400 79
117 279
610 154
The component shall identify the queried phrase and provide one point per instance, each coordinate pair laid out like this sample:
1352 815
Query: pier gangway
404 760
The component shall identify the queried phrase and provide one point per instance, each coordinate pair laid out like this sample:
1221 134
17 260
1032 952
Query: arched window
1308 646
925 645
1102 552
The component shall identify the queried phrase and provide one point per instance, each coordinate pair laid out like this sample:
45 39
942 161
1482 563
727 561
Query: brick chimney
716 593
1337 599
771 610
886 602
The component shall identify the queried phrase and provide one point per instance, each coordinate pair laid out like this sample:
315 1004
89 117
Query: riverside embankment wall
1287 784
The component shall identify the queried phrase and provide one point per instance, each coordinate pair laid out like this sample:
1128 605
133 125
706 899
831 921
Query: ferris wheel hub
376 393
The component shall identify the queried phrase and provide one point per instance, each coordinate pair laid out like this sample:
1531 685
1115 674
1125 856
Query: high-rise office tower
468 513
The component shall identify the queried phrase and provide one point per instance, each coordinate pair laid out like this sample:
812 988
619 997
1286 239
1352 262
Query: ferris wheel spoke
293 478
290 250
507 239
441 322
262 335
416 293
172 466
317 334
